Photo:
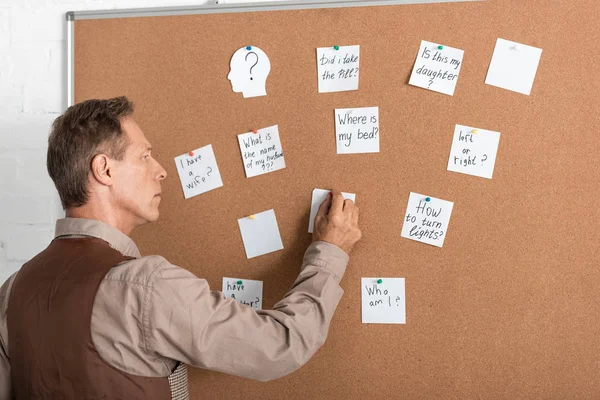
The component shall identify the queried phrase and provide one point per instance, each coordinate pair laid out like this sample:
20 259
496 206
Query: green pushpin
239 282
336 47
440 47
380 281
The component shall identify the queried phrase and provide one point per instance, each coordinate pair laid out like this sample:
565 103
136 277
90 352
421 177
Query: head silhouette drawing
250 67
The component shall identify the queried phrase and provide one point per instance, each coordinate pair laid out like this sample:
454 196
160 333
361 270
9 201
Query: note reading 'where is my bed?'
357 130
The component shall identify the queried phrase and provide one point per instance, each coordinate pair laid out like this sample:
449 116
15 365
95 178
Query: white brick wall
32 94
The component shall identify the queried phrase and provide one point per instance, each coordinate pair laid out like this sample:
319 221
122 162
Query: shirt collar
119 241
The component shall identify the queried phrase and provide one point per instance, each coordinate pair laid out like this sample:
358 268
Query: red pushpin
255 131
191 153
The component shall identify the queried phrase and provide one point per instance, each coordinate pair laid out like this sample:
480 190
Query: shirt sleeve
6 389
186 321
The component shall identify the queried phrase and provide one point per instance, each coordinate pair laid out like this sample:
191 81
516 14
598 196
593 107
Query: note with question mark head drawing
261 151
473 151
198 171
244 291
249 69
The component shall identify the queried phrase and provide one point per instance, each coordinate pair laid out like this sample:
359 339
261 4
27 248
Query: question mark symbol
253 65
483 159
209 172
430 83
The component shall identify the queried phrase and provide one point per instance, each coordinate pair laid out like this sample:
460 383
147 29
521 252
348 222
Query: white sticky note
473 151
260 234
427 221
248 71
318 197
357 130
385 302
198 171
261 151
437 69
513 66
244 291
338 69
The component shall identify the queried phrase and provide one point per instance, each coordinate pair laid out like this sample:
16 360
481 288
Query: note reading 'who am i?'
383 301
261 151
427 219
357 130
198 171
437 68
338 68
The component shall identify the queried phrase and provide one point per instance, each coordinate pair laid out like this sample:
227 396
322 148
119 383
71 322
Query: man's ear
101 169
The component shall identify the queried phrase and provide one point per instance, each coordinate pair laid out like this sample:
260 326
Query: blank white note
260 234
513 66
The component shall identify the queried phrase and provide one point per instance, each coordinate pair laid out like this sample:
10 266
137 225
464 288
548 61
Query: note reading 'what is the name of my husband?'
437 68
337 68
383 301
427 219
198 171
357 130
261 151
244 291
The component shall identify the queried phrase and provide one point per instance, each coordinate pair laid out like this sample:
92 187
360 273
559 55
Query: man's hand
337 222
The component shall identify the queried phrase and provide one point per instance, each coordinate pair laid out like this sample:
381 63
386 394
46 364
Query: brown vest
52 355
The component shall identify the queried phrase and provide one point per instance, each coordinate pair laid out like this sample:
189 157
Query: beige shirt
149 314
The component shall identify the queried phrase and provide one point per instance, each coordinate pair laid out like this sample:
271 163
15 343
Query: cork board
508 308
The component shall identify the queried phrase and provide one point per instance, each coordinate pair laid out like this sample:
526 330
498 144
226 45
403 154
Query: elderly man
90 318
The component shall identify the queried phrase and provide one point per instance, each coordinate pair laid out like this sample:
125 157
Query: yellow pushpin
474 131
252 216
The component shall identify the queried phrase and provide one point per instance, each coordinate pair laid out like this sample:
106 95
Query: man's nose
162 173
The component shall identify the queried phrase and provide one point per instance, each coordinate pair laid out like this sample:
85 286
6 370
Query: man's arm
187 322
5 381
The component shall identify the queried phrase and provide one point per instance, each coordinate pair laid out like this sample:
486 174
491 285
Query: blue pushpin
428 199
248 47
